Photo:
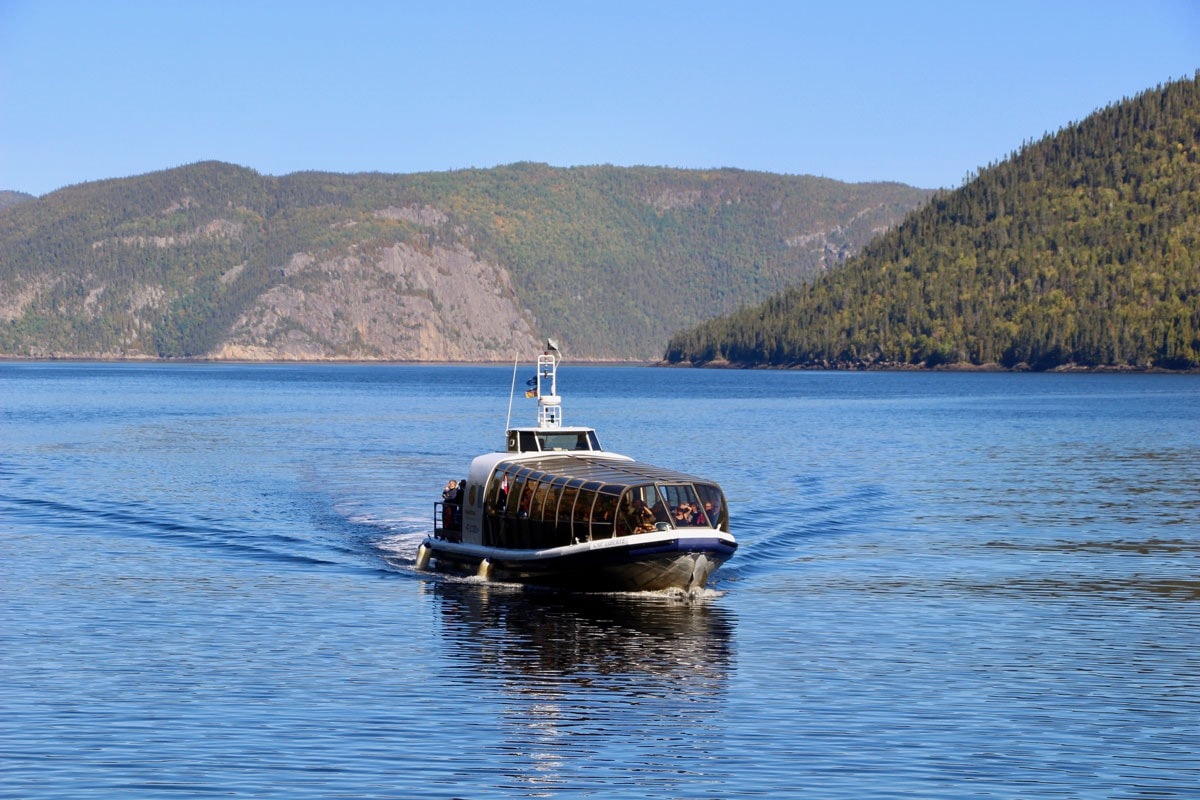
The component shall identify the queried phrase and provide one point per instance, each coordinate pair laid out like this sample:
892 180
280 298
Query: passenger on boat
457 501
448 509
636 517
526 498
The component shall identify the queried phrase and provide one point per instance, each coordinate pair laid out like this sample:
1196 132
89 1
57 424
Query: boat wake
394 537
146 521
775 536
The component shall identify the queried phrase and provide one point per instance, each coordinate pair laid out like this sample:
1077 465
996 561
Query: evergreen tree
1081 249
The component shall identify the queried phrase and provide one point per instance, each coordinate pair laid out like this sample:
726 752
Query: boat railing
447 521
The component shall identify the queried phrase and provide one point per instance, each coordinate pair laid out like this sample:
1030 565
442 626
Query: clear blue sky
917 92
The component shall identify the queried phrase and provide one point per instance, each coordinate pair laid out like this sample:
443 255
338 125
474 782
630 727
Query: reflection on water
588 640
642 675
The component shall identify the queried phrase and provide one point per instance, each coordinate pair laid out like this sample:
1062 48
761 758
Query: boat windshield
581 440
713 503
520 441
685 506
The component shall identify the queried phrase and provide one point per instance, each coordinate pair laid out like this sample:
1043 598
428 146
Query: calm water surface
948 586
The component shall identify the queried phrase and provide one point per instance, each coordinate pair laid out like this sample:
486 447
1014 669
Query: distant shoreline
717 365
1020 368
8 359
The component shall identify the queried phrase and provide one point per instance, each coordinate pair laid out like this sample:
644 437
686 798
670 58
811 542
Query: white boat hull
644 562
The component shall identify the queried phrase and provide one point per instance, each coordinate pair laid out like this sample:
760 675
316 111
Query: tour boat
555 509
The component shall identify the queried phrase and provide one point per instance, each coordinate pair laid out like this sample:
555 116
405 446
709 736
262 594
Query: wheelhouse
555 440
559 500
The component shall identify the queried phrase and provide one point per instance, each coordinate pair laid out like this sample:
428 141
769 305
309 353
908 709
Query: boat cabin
564 498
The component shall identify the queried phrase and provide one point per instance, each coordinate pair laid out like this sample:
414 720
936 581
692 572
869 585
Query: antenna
511 389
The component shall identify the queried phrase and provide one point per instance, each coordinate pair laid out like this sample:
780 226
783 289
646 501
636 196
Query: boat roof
598 468
562 429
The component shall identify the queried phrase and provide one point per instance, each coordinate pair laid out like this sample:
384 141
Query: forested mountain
8 198
1081 249
215 260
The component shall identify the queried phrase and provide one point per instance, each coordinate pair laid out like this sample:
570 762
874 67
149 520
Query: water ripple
947 586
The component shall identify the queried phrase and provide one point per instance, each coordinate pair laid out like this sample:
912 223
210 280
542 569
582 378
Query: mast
549 403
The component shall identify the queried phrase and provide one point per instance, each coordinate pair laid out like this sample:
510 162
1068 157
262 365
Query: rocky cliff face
217 261
401 304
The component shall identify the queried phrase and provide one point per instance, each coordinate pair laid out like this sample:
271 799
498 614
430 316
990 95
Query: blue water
949 585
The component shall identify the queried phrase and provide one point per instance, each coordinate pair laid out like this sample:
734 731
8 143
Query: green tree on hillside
1083 248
